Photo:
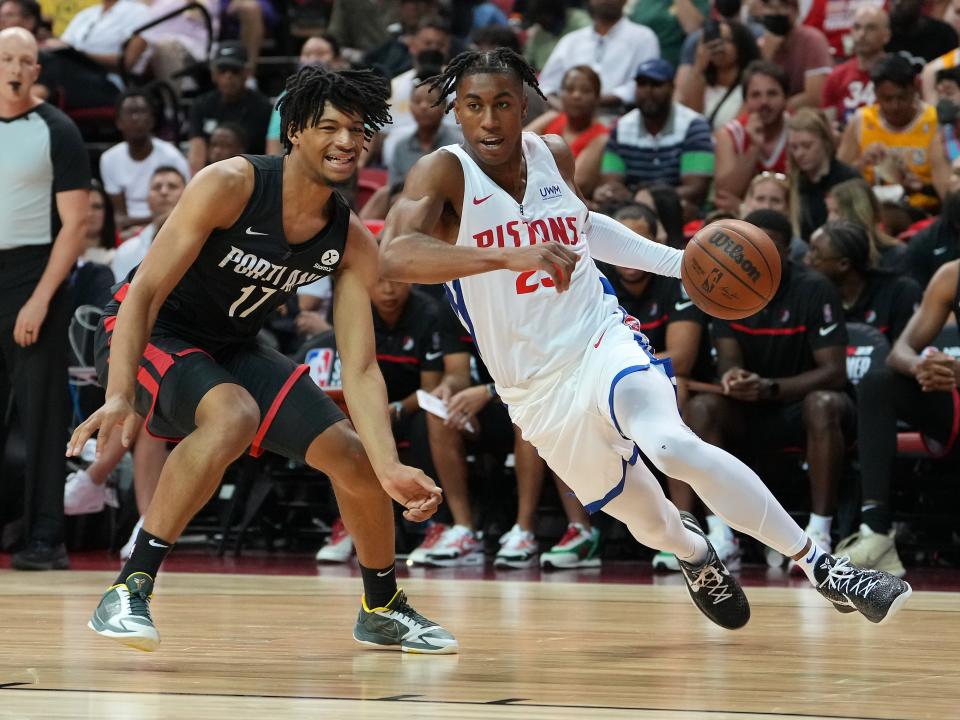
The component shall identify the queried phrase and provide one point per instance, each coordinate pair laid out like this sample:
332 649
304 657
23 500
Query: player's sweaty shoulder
438 176
223 190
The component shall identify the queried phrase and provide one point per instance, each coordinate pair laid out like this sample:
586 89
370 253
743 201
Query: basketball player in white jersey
501 222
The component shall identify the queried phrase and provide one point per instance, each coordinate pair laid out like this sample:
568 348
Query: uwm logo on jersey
518 233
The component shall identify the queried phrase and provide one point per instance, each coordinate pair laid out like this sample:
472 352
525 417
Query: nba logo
710 282
320 362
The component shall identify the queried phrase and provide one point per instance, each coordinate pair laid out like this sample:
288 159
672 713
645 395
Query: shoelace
850 580
140 605
405 609
712 579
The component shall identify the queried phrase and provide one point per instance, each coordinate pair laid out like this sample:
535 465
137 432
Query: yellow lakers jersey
910 146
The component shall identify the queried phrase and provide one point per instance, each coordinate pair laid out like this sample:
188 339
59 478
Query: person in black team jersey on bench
180 340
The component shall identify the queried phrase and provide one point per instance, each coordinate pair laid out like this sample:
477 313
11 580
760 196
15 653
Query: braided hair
474 62
358 92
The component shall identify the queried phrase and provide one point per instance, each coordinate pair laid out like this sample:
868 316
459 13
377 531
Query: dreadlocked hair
475 62
359 92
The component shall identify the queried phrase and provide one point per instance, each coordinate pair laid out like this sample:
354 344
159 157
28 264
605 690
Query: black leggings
883 397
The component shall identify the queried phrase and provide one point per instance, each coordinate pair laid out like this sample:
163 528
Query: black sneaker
875 594
397 626
714 591
40 555
124 614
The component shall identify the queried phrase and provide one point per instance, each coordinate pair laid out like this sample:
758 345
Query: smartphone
711 30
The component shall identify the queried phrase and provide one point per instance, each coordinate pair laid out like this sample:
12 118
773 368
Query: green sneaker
578 548
397 626
124 614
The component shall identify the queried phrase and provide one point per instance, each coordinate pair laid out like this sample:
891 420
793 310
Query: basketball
730 269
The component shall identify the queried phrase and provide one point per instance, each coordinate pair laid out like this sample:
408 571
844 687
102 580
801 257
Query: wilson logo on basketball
734 251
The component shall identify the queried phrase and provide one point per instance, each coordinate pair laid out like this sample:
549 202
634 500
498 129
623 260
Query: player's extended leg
645 410
386 620
654 521
226 421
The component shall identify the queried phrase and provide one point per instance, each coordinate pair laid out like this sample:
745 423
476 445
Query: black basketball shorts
174 375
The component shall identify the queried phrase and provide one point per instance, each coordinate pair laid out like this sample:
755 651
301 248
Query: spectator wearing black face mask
802 52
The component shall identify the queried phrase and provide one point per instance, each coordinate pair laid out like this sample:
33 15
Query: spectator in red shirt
848 86
802 52
577 124
757 140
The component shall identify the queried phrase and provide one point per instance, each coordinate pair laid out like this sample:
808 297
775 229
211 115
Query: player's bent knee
675 452
822 407
339 454
229 413
703 411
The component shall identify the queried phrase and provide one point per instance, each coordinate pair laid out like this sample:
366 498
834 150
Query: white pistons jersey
524 329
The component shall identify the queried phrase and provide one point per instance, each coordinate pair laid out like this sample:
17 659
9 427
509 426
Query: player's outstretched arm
363 386
610 241
416 248
213 199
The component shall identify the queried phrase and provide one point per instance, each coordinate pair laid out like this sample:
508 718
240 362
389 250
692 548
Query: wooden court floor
280 647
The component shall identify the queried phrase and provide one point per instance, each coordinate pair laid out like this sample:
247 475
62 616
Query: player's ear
456 110
294 136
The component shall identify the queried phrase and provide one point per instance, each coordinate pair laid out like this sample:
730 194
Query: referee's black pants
37 377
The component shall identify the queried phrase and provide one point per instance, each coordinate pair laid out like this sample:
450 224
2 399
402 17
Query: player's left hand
26 330
410 487
937 372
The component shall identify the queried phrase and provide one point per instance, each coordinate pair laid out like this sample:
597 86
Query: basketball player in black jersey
918 386
180 345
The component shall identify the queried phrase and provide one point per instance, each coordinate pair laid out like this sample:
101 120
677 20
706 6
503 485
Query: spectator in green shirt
671 20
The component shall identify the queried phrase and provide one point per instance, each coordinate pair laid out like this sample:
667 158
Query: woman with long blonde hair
814 169
854 200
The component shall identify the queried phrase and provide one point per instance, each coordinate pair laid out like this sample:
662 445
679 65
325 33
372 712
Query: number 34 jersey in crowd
246 271
523 328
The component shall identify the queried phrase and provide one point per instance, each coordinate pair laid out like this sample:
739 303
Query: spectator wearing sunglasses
232 102
660 141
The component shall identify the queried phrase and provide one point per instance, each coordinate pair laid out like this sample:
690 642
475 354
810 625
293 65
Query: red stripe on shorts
255 449
120 294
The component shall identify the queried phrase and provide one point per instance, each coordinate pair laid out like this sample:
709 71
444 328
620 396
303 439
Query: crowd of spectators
831 125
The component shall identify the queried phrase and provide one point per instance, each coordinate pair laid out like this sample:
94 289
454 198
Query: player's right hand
116 411
553 258
410 487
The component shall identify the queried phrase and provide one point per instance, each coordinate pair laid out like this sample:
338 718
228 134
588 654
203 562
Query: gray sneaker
875 594
397 626
714 591
124 614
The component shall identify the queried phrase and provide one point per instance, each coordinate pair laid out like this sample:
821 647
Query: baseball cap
656 69
230 54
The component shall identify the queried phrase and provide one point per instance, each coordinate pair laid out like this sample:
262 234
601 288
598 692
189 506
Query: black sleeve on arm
68 154
906 299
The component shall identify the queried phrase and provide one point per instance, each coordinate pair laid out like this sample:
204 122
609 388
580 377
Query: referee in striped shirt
44 176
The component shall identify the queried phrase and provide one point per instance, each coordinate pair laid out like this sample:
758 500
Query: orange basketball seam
730 272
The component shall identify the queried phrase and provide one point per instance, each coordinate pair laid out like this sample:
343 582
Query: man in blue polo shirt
660 141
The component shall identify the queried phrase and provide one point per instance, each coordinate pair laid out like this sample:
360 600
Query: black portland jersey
246 271
887 303
805 315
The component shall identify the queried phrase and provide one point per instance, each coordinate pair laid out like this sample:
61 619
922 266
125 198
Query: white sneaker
127 549
457 546
728 549
418 556
82 496
518 549
821 539
339 547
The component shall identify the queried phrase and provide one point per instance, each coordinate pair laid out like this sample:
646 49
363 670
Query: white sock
809 561
820 523
717 527
84 477
698 550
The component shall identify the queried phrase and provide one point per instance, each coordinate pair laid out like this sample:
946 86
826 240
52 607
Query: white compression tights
646 409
